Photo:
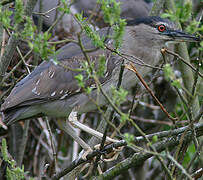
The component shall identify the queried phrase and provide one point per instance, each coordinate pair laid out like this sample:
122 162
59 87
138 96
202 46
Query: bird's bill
182 36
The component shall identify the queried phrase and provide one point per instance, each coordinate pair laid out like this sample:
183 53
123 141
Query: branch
133 68
183 60
137 158
13 42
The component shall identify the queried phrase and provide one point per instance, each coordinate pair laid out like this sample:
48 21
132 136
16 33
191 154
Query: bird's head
156 30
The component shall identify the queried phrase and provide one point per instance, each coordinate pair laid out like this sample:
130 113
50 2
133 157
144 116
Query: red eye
161 28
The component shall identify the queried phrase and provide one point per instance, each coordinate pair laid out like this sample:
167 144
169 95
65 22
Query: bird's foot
90 167
86 152
111 156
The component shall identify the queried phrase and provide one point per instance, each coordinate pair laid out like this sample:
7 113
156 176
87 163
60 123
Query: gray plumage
53 91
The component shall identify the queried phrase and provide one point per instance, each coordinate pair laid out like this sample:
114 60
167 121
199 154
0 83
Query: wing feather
49 81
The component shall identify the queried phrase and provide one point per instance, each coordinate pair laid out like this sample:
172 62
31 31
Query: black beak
182 36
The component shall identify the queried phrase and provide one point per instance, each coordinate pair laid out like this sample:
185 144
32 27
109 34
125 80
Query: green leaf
154 139
5 17
41 45
19 11
182 14
119 96
111 11
66 7
176 83
118 33
201 44
189 154
4 150
129 138
124 118
80 78
88 90
29 29
168 72
102 66
192 27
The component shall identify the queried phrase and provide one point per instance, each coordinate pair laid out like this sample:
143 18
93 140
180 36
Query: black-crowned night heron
52 90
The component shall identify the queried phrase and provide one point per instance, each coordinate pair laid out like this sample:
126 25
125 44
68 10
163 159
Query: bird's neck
140 47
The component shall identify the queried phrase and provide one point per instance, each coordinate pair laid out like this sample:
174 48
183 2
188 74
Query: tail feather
11 116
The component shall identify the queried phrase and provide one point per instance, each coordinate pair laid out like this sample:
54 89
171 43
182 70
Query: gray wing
49 81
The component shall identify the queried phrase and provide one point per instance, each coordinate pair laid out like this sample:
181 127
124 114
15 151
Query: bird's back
51 81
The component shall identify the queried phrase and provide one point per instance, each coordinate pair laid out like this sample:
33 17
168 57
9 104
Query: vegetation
171 143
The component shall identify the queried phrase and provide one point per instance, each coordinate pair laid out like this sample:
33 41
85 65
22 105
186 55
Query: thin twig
133 68
55 22
52 143
200 114
138 158
23 143
4 2
3 42
197 153
45 13
183 60
135 60
13 42
153 121
197 174
179 166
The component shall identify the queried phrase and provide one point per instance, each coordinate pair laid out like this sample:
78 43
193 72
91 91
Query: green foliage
119 30
182 14
66 6
169 76
80 80
176 83
29 29
87 69
129 138
119 96
92 34
19 12
38 42
15 173
189 154
41 45
201 44
4 17
102 66
111 14
12 171
124 118
193 27
154 139
81 83
168 72
111 10
88 90
179 110
4 150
